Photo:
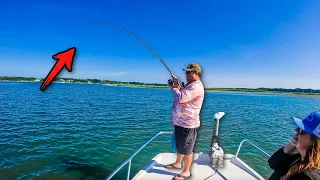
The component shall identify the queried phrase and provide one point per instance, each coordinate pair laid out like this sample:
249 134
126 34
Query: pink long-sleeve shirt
187 105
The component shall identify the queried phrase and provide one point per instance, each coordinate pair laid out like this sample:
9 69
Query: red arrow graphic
64 58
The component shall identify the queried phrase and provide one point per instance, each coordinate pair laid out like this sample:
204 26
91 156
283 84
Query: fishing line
142 41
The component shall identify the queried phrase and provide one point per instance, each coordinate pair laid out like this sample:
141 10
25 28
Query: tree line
75 80
98 81
296 90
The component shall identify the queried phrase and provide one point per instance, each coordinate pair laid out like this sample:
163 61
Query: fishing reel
170 82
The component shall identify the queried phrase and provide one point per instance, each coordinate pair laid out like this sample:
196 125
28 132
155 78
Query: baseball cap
310 124
193 67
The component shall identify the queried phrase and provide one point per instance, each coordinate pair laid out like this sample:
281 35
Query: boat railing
170 132
259 148
133 155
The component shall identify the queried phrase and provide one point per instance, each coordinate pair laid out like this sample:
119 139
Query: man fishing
186 117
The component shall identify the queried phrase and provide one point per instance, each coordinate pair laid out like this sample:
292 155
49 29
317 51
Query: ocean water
83 131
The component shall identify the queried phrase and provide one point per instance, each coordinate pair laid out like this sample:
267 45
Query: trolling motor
216 152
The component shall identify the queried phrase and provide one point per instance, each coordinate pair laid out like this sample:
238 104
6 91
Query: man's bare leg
187 165
178 163
179 160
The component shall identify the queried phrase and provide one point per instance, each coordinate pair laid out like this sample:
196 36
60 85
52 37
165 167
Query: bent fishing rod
142 41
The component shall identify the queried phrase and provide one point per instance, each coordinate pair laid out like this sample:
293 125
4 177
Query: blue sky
238 43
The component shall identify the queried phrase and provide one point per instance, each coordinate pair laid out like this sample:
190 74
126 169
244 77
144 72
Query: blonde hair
311 161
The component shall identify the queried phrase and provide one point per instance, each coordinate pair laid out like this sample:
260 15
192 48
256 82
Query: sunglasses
300 131
188 72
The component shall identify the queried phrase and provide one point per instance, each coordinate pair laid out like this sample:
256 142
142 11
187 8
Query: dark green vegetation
297 91
268 90
83 81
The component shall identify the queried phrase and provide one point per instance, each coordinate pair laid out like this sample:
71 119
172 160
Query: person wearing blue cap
304 165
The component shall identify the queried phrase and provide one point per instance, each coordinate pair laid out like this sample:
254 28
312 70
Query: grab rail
264 151
133 155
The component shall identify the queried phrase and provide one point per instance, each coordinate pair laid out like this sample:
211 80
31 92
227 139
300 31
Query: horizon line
161 83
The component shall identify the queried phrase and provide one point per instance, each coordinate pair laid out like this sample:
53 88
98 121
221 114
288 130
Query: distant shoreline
268 93
261 91
222 90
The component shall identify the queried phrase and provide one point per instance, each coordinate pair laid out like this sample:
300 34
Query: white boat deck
201 168
233 169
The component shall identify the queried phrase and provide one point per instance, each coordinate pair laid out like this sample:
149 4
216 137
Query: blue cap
310 124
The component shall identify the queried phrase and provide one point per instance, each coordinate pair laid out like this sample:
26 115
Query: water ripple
95 128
